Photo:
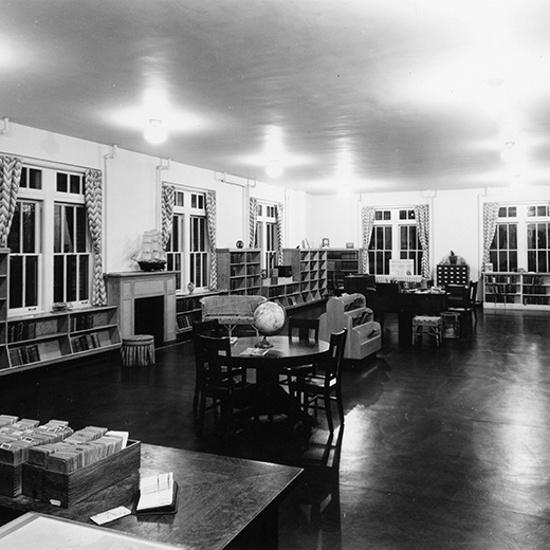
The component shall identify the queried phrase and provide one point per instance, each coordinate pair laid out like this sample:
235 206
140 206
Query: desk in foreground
221 500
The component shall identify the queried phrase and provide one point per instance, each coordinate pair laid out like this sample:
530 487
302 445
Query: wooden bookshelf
516 290
4 255
309 274
239 270
46 338
342 262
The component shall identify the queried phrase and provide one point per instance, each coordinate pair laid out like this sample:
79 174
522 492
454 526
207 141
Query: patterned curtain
167 213
490 217
93 197
279 210
367 225
10 176
252 221
422 215
211 228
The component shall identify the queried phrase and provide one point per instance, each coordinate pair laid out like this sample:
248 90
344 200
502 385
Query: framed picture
325 242
350 245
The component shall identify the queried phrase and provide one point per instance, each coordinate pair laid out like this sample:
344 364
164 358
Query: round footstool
138 351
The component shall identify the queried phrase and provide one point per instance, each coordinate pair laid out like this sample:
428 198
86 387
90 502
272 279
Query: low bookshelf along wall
48 338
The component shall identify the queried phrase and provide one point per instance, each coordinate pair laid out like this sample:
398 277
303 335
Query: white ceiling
357 94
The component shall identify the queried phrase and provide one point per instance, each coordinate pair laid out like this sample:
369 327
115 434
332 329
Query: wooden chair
466 306
318 390
306 330
211 328
224 385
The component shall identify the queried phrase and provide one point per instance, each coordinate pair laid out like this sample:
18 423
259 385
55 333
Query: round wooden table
269 363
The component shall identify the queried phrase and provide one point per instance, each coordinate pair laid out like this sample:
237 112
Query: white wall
132 184
132 201
455 217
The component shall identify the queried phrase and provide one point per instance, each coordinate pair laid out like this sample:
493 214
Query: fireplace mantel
124 288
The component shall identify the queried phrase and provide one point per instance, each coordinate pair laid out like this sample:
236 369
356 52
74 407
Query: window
71 254
188 250
266 235
50 258
24 243
522 239
394 236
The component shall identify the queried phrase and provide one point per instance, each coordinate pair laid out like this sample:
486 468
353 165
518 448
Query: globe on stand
269 319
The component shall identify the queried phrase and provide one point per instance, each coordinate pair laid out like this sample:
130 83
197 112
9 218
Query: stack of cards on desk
17 438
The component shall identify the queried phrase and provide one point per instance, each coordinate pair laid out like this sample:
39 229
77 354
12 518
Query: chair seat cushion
427 320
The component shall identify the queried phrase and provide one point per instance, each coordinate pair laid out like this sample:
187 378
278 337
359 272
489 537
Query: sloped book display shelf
44 338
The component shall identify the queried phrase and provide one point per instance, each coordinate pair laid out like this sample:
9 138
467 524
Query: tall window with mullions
71 253
24 243
503 252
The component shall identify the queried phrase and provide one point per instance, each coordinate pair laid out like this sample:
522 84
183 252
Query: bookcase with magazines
45 338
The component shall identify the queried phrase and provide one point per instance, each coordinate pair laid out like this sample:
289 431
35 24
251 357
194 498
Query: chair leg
340 404
196 397
328 412
201 414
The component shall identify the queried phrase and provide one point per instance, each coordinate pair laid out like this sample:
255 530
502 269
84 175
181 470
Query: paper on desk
156 491
254 352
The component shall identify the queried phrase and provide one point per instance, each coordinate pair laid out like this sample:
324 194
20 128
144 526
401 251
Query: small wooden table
285 353
222 501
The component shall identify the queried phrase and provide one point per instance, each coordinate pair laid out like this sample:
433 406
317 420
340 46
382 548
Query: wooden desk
222 500
407 305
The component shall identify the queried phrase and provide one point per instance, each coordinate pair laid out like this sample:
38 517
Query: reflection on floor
442 448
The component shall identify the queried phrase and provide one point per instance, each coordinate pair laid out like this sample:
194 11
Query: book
158 494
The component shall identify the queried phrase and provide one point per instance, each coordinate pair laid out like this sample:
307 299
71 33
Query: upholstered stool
451 324
138 351
427 324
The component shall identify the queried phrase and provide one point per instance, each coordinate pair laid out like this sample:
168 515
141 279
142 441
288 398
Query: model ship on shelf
151 256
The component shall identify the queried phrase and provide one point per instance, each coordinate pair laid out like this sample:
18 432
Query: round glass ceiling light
155 133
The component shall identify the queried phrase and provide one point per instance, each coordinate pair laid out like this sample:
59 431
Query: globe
269 319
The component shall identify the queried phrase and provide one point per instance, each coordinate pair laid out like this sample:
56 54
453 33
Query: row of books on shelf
300 298
82 322
185 321
24 355
536 300
86 342
189 304
535 289
21 330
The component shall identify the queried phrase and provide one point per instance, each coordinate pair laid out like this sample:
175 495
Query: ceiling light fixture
155 133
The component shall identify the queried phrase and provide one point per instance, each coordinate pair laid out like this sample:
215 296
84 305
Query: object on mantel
151 256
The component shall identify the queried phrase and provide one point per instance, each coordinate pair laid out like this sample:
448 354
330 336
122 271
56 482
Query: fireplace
146 303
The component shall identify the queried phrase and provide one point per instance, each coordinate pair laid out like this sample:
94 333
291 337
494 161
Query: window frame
192 252
389 223
517 214
266 235
47 197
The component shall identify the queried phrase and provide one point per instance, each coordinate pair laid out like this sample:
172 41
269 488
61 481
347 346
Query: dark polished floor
443 448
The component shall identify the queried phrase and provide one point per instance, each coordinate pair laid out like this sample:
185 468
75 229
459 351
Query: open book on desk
158 494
